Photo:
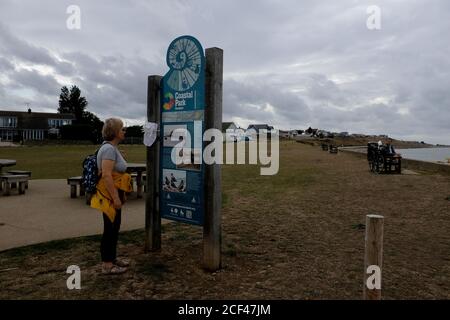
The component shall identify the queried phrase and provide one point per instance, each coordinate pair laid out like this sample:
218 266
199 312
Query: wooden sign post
373 259
189 95
152 214
212 228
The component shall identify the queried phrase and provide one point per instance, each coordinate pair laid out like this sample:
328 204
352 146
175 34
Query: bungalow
343 134
284 134
229 126
232 131
311 131
254 129
17 125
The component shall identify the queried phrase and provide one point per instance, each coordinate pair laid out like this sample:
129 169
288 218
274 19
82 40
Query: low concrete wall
361 152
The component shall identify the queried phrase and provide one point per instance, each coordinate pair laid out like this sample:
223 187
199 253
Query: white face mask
150 133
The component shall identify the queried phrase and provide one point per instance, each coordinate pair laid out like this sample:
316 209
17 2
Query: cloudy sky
290 63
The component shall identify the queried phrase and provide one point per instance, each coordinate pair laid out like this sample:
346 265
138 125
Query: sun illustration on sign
169 101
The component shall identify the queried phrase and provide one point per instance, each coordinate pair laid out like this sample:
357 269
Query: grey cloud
5 65
14 47
113 83
44 84
245 100
315 63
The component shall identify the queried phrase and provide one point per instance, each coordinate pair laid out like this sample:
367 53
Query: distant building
323 134
293 133
343 134
254 129
229 126
311 131
232 131
17 125
283 133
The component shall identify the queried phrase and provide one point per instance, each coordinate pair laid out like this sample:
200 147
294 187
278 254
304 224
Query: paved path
7 144
46 212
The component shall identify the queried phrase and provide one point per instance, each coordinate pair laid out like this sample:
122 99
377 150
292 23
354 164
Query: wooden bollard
373 259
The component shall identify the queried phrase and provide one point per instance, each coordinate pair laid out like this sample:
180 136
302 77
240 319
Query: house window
57 123
10 122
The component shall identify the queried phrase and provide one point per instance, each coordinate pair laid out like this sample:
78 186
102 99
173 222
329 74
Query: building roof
35 120
258 127
226 125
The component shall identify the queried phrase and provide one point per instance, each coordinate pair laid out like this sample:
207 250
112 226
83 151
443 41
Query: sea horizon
434 154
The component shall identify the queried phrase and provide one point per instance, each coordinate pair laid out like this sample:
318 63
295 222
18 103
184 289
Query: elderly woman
110 195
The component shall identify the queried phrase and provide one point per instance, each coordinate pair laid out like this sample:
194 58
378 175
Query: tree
135 131
72 102
86 125
95 123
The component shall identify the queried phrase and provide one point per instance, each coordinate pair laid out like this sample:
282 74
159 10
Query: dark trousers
108 246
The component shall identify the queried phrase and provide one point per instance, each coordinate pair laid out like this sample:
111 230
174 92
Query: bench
10 179
134 180
144 181
74 182
392 163
333 149
20 172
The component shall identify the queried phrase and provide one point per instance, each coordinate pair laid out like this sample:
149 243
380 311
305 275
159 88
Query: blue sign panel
183 107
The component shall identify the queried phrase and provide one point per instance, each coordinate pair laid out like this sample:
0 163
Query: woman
110 195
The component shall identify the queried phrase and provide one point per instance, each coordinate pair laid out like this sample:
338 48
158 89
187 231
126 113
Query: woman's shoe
121 262
113 270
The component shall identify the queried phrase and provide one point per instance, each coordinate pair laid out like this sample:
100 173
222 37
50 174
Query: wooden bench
333 149
134 180
74 182
10 179
21 172
144 181
392 163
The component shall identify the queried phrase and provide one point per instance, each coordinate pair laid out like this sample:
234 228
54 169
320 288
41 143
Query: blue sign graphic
182 107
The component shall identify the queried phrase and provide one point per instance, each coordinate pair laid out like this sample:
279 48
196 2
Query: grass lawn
296 235
59 162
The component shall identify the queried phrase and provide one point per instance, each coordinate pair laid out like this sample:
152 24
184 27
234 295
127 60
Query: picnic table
137 168
6 163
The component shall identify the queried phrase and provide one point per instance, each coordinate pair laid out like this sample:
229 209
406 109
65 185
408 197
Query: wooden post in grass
373 259
212 228
152 214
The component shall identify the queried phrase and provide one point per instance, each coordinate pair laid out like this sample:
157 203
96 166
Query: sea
426 154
